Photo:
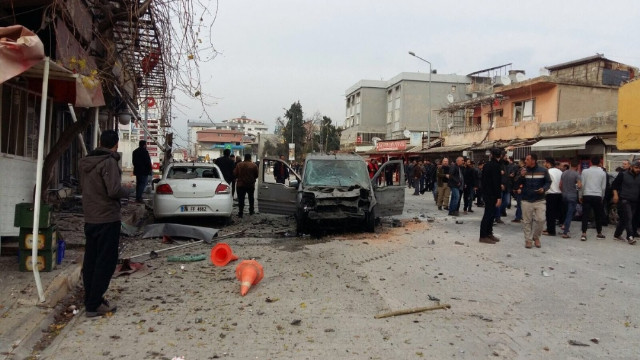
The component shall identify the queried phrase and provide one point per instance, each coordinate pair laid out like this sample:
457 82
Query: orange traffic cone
221 255
249 272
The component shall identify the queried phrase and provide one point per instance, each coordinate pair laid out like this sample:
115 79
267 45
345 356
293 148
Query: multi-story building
571 112
386 110
247 127
210 143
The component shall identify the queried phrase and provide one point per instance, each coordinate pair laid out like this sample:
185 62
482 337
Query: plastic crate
46 260
47 238
23 217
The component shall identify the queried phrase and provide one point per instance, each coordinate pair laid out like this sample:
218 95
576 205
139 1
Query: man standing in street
141 168
469 175
417 175
442 176
553 197
533 183
570 183
626 191
246 173
490 181
456 184
226 165
101 193
594 184
280 171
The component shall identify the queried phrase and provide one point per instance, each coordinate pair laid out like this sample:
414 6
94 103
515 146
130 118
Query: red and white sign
359 140
392 145
153 154
156 165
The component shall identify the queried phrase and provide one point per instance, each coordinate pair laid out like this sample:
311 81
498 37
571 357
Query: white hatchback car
192 189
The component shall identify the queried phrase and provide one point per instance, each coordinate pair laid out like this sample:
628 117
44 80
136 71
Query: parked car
192 189
333 189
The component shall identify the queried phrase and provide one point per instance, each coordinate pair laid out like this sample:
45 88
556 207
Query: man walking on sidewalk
141 168
534 181
492 195
594 184
101 193
570 183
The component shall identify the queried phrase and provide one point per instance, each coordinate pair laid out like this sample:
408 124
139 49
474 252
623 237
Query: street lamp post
429 114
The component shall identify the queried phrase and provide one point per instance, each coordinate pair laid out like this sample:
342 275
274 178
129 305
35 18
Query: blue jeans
571 210
519 207
506 199
454 203
141 183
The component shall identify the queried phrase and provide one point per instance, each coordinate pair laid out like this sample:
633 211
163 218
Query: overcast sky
276 52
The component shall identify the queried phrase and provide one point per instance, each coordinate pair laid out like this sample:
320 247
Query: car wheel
370 221
302 223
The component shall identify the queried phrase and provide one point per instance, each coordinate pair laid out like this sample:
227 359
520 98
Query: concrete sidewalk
23 316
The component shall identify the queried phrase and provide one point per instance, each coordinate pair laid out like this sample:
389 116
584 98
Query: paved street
319 297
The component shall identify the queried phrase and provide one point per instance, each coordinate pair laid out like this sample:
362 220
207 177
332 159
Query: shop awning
446 149
559 144
22 53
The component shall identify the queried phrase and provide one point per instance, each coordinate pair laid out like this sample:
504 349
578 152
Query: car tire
370 221
302 223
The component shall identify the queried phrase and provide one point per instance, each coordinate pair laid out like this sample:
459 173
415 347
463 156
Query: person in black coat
491 182
469 175
226 165
141 168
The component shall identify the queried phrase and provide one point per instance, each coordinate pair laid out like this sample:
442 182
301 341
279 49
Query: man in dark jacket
456 184
626 192
246 173
533 183
280 171
100 178
141 168
226 165
469 175
492 196
416 176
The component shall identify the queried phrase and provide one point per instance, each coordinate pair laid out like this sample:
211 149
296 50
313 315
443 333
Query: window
396 112
524 110
19 111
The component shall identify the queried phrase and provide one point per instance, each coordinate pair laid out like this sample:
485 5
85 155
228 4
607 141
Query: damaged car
333 190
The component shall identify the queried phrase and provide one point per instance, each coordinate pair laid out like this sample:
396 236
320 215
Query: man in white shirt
553 197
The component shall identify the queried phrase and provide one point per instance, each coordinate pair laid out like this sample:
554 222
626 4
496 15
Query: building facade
388 110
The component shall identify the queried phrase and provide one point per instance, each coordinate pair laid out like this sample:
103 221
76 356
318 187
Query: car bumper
179 207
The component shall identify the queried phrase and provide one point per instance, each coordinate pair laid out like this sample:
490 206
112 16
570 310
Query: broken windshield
336 173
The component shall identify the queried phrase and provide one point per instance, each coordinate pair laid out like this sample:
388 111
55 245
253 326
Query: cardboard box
24 216
46 260
47 238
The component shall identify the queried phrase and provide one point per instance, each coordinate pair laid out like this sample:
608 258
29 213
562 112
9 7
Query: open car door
389 188
273 197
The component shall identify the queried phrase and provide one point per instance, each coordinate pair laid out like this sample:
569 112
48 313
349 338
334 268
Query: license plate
194 209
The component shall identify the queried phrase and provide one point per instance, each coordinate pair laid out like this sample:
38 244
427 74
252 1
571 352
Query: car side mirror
293 183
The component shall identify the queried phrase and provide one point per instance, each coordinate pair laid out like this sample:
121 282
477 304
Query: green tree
295 126
329 137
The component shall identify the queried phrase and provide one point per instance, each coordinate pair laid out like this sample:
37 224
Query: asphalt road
319 297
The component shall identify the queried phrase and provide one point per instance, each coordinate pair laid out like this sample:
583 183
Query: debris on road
186 258
412 311
458 243
178 230
577 343
433 298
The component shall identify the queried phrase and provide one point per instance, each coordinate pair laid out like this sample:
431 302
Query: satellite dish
375 140
520 77
505 80
406 133
450 98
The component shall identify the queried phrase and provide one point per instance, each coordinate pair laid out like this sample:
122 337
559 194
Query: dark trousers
486 225
592 202
553 210
100 258
141 183
627 211
467 195
242 191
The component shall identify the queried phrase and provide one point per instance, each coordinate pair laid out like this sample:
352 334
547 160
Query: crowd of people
547 198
